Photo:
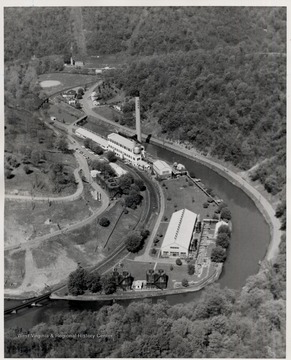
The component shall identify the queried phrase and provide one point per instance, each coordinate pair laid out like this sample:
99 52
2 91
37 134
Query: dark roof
70 92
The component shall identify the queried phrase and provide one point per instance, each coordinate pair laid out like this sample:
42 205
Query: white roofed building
124 148
84 133
179 234
162 169
118 169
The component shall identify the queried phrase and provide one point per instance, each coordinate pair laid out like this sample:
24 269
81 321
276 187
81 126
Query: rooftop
118 169
122 140
162 165
180 228
90 135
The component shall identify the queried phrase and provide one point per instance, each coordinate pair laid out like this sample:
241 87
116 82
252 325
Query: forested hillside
36 31
212 78
159 30
221 324
223 102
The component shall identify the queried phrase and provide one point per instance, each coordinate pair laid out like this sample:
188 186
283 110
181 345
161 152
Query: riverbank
143 294
260 201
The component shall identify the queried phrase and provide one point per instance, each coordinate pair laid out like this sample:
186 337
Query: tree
218 254
104 222
132 199
27 170
191 269
179 262
224 229
35 157
108 284
133 242
225 213
222 240
93 282
144 233
62 144
87 143
185 283
140 184
111 156
125 182
77 281
281 209
81 91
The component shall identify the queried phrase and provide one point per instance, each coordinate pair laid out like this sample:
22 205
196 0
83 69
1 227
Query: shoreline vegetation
227 172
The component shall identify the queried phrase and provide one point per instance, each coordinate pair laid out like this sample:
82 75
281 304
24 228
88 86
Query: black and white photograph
144 180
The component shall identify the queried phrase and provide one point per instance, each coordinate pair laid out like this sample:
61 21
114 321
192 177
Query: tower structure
72 61
137 117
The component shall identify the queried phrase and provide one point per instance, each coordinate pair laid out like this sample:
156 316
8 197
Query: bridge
29 303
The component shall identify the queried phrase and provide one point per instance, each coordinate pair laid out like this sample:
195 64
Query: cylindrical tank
136 150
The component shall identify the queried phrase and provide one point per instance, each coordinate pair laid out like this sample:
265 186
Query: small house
79 63
72 102
138 284
69 95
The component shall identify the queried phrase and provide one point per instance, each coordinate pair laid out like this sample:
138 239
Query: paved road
72 197
83 165
35 242
264 204
146 255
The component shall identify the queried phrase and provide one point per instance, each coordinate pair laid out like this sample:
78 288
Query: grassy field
66 80
137 269
175 273
26 137
64 112
25 220
179 195
99 126
37 182
108 113
14 268
126 224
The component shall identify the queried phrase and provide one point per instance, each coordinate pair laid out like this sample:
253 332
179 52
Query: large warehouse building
179 234
162 169
86 134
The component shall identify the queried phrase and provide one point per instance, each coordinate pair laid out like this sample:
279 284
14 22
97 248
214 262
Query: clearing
66 80
26 220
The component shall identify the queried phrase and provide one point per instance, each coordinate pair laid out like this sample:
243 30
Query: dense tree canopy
213 78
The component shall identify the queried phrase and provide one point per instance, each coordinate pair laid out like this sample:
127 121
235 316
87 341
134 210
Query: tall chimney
137 117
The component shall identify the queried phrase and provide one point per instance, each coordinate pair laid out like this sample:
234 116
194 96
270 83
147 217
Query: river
249 243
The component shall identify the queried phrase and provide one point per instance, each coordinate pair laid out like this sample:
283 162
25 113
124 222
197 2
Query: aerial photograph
145 181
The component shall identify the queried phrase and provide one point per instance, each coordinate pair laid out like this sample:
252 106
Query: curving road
72 197
83 165
262 203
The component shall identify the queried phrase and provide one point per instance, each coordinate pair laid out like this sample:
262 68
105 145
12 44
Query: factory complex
179 234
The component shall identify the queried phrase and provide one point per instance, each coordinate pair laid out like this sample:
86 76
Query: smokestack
137 117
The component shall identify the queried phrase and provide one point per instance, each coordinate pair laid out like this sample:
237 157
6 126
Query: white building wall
124 152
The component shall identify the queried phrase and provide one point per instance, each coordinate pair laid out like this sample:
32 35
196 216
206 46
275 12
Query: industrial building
162 169
86 134
124 148
179 234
